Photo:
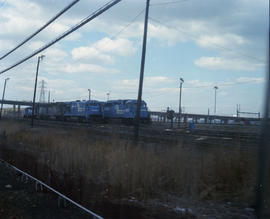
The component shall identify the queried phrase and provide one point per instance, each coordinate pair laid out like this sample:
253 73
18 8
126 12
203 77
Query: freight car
53 111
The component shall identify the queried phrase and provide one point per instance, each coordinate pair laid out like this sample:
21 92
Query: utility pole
139 100
108 96
215 109
35 89
89 90
180 98
3 97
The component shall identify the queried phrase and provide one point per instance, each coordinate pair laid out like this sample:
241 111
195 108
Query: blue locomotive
27 112
83 110
125 110
93 110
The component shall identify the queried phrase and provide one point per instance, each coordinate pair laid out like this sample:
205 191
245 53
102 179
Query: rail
53 190
154 133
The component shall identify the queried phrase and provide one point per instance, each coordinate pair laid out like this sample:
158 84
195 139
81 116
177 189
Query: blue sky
208 43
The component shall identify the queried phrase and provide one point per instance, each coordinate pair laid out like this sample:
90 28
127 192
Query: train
123 110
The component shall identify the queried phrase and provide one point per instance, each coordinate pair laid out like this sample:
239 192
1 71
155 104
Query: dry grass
143 172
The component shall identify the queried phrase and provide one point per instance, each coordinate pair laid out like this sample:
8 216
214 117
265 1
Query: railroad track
40 186
155 133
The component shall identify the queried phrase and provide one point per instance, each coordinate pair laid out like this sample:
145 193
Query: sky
207 43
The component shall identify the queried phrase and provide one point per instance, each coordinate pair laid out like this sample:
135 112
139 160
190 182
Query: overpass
17 112
199 118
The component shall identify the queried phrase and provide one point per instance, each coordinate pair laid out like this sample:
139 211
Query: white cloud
91 55
219 34
250 80
34 45
123 47
104 50
55 54
198 83
220 63
90 68
5 44
220 40
148 81
163 33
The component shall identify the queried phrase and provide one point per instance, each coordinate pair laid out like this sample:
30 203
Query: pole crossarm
72 29
42 28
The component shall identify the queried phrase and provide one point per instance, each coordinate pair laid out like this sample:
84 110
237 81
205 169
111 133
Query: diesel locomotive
92 110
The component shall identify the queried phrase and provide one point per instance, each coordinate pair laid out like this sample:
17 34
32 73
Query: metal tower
42 92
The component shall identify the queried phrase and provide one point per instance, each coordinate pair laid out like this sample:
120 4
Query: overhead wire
206 86
196 37
120 31
131 22
136 16
191 35
155 20
41 28
66 33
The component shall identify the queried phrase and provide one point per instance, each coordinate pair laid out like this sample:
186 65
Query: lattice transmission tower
42 92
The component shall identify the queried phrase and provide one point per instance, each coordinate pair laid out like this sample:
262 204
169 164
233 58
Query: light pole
3 97
89 90
216 87
35 89
180 99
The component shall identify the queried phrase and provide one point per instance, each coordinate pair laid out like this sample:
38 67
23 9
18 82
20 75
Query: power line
72 29
206 86
42 28
119 32
131 22
195 37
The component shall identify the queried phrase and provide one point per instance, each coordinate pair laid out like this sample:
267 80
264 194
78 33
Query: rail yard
233 141
182 135
61 163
